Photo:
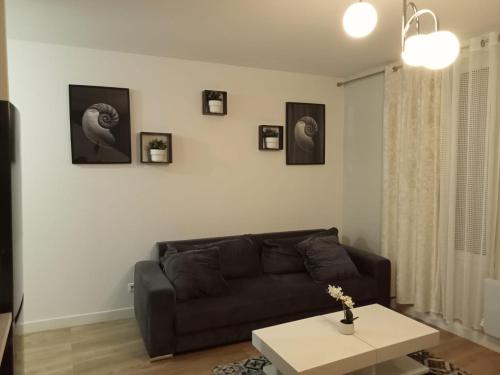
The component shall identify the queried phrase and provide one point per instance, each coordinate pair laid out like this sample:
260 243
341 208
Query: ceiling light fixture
436 50
360 19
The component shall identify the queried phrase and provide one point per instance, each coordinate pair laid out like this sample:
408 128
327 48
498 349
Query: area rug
254 366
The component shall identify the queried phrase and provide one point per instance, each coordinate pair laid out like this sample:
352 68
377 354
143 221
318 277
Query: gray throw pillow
195 273
326 260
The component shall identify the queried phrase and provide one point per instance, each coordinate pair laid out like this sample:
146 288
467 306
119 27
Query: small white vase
272 142
215 106
158 156
345 329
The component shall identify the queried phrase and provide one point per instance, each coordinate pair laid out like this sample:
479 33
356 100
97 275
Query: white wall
84 227
362 182
4 87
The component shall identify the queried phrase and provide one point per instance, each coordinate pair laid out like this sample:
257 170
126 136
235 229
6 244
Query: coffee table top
314 345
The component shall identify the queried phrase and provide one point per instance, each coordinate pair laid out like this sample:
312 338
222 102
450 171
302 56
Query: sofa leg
161 357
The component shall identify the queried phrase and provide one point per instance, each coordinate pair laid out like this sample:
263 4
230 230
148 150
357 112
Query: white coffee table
314 346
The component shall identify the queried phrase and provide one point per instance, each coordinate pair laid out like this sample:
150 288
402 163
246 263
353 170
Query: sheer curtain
441 182
469 234
412 111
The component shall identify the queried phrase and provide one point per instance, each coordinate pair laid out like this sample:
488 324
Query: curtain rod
395 68
484 42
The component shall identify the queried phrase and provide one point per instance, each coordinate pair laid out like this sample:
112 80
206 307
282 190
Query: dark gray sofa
170 326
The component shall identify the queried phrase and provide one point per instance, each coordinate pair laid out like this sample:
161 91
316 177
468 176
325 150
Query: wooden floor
116 348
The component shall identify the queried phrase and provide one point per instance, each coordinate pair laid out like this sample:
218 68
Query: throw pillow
326 260
195 273
239 256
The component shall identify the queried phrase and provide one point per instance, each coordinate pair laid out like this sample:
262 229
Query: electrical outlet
130 287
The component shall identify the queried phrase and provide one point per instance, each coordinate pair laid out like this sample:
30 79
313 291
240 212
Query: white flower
347 301
335 292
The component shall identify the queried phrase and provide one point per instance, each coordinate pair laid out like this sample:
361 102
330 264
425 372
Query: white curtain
412 111
468 239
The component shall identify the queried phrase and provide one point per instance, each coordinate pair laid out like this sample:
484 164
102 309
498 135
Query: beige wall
362 181
84 227
4 83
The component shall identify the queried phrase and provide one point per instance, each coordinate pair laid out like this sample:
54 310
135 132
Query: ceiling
291 35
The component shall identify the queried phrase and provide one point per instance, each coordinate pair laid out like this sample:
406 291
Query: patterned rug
254 366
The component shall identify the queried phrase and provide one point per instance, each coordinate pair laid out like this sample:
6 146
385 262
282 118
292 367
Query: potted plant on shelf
346 326
158 150
215 104
271 139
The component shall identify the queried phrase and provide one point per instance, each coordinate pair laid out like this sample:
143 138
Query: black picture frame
145 137
278 129
305 133
100 125
206 108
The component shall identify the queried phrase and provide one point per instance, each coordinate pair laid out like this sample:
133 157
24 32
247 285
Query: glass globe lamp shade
360 19
415 51
443 48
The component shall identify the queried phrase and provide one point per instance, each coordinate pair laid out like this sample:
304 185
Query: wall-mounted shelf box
145 138
273 144
206 108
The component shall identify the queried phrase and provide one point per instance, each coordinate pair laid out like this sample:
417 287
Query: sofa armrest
154 306
375 266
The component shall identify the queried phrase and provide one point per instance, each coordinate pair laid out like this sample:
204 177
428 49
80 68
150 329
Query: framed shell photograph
100 125
305 133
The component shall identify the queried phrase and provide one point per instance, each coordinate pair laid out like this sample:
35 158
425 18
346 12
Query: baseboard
458 329
73 320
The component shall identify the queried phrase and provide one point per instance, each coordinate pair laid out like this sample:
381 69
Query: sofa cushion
261 237
326 260
239 256
266 296
281 256
195 273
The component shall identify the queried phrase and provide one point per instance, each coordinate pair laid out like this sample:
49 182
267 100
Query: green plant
214 95
348 317
347 303
157 144
270 133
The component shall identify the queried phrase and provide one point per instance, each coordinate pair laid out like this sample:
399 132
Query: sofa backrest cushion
195 273
239 255
261 237
281 256
258 238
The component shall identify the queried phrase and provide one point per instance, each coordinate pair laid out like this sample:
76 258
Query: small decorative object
99 124
156 148
270 137
214 102
346 326
305 133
